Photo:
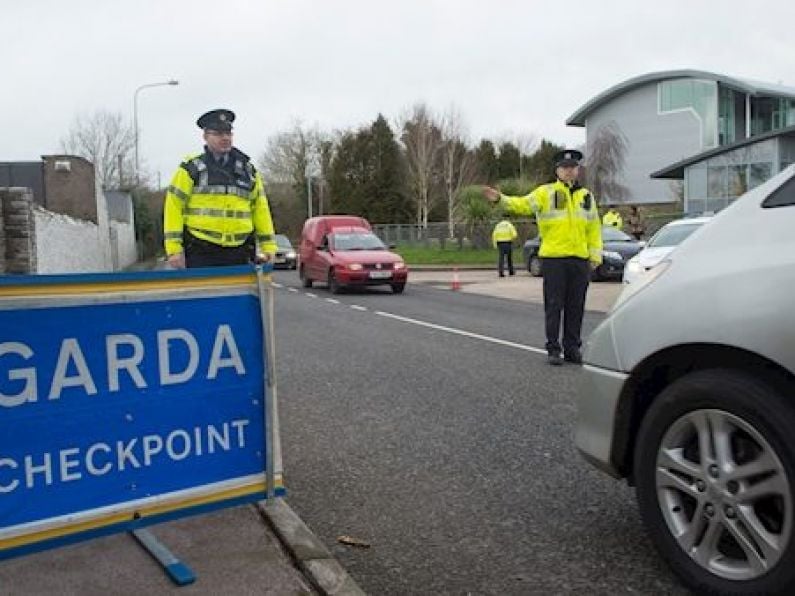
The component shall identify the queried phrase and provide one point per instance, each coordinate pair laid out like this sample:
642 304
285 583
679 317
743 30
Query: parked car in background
660 246
341 251
286 257
688 391
617 249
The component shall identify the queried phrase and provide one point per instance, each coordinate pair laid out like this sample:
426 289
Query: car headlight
399 265
611 254
643 281
290 254
355 266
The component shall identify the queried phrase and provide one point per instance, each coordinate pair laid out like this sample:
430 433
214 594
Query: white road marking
310 294
494 340
357 307
332 300
275 285
291 290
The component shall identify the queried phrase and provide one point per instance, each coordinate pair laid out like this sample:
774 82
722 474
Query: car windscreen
610 234
673 235
282 241
357 242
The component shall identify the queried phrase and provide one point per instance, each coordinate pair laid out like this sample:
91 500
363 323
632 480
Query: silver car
689 393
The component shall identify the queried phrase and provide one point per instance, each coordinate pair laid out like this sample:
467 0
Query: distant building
684 117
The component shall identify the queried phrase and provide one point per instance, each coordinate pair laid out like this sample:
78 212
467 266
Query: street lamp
135 118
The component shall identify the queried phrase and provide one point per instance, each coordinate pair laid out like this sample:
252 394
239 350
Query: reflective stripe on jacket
568 222
225 214
503 232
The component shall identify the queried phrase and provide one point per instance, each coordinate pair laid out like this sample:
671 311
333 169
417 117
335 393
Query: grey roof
676 171
749 86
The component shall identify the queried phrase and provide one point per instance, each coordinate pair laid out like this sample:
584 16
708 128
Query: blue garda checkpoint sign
129 399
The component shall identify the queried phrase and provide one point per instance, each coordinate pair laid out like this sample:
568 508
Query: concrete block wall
18 231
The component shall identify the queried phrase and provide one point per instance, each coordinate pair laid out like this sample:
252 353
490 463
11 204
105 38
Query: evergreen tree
486 162
508 161
539 167
367 174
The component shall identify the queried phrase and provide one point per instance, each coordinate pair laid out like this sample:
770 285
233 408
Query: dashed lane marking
494 340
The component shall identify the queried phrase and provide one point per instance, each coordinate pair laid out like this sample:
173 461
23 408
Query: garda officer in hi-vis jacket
216 211
571 244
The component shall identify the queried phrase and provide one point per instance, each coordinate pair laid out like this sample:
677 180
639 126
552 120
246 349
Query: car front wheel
333 285
306 281
714 467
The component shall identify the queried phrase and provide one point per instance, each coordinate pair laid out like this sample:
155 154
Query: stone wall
18 231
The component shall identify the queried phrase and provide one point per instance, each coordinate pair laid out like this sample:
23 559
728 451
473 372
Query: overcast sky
509 67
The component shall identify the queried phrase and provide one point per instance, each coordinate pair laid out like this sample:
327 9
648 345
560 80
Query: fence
437 234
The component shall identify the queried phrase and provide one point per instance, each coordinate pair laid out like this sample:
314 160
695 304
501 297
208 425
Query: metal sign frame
90 305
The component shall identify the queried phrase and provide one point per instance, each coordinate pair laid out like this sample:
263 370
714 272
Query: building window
717 182
699 96
738 180
759 173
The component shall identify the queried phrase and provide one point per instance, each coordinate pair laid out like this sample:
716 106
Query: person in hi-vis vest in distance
613 218
502 239
571 244
215 211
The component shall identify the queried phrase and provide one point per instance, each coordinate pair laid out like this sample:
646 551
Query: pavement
522 286
255 549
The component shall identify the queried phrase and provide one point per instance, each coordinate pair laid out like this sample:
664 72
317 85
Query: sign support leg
177 571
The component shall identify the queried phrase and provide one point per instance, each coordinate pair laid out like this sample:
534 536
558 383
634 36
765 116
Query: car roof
349 230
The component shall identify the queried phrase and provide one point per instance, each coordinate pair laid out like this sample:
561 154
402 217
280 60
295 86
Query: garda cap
568 157
220 120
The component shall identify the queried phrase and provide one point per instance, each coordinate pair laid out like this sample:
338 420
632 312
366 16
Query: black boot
573 356
554 358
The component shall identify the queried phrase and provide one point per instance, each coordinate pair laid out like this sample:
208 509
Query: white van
689 394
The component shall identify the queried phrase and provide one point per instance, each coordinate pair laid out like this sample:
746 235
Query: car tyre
534 266
305 281
714 469
398 288
333 285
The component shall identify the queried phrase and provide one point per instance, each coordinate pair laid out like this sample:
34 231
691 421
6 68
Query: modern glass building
714 178
667 117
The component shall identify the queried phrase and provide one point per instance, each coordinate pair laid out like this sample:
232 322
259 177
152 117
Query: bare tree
605 163
458 163
423 140
295 157
107 141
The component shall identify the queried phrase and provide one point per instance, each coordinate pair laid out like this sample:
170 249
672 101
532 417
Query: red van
342 251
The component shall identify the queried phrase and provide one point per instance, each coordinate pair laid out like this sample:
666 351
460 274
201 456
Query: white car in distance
661 245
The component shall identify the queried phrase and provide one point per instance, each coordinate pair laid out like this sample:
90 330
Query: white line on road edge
275 285
332 300
310 294
291 290
494 340
357 307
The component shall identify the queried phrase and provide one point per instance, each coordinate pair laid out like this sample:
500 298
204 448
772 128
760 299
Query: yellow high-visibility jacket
613 218
503 232
220 205
568 220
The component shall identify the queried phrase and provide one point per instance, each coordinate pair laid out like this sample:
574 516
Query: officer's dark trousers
506 254
200 253
565 284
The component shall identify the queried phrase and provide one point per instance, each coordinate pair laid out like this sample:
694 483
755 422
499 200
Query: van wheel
534 266
398 288
307 283
714 467
333 285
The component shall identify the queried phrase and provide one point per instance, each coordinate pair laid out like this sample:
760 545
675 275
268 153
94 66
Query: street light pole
135 119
